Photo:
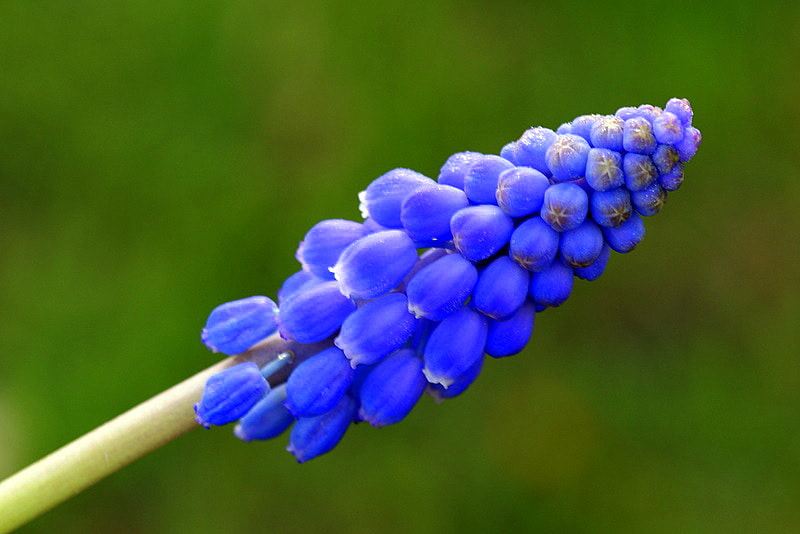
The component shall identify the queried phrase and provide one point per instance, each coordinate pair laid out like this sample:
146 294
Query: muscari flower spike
505 234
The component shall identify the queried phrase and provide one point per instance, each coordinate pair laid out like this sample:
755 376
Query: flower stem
112 446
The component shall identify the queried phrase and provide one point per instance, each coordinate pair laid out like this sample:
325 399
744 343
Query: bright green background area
160 158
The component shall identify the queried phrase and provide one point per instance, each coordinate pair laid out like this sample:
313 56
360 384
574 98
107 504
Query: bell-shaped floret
316 384
649 201
438 392
593 271
439 289
295 283
455 168
313 314
234 327
582 245
665 157
314 436
520 191
627 235
426 213
566 157
324 243
454 346
604 169
607 133
480 184
392 389
682 109
552 286
375 264
565 206
509 152
229 394
501 289
376 329
687 147
534 244
268 419
611 208
638 136
382 199
480 231
639 170
510 335
582 126
532 149
667 128
672 180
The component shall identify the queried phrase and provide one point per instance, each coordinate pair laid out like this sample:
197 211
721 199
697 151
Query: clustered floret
505 236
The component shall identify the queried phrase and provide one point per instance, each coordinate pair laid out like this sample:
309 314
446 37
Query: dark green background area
160 158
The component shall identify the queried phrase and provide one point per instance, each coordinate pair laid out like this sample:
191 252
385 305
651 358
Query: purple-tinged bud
376 329
565 206
582 245
607 133
564 129
509 152
383 198
583 125
667 128
640 171
682 109
638 136
229 394
611 208
649 201
323 244
508 336
532 148
375 264
501 289
392 389
665 157
426 213
314 314
480 184
672 180
461 384
455 168
234 327
316 384
627 235
295 283
534 244
566 157
454 346
314 436
593 271
552 286
604 169
480 231
440 288
687 147
649 112
520 191
268 419
627 112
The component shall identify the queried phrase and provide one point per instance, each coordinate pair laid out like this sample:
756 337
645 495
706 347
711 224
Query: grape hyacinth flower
506 236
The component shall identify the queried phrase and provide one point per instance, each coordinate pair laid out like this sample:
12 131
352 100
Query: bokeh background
160 158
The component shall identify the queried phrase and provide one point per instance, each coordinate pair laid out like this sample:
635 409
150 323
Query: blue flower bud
480 184
534 244
426 213
682 109
627 235
392 389
295 283
640 171
440 288
665 157
649 201
673 179
501 289
627 112
604 169
480 231
376 329
427 257
383 198
454 346
564 129
687 147
268 419
509 152
667 128
510 335
532 149
638 136
375 264
461 384
611 208
230 394
520 191
582 245
314 314
593 271
566 157
565 206
649 112
455 168
316 384
552 286
607 133
314 436
583 125
323 244
234 327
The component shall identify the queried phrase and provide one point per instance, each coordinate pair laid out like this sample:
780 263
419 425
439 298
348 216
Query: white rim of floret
432 378
362 204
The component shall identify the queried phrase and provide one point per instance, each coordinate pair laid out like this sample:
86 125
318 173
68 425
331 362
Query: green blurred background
159 158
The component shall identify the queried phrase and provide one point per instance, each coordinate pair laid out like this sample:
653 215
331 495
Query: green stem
112 446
